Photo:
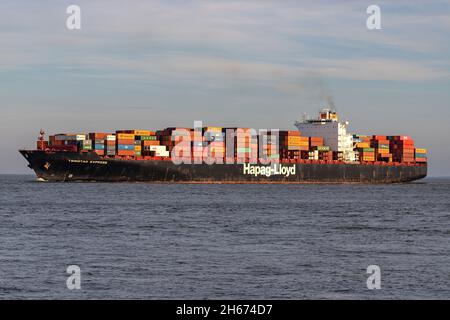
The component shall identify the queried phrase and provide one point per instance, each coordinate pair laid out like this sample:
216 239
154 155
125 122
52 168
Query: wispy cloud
201 68
248 40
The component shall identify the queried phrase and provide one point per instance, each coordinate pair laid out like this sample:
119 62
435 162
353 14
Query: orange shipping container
150 143
98 135
125 152
290 133
125 136
293 138
316 144
363 145
125 141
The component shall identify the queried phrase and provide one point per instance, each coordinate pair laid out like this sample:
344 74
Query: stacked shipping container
382 148
421 155
246 145
180 137
402 148
291 145
125 144
150 146
269 145
216 139
110 145
98 142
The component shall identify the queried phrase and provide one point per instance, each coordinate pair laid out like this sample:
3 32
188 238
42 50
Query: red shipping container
290 133
316 141
98 135
125 152
151 143
125 141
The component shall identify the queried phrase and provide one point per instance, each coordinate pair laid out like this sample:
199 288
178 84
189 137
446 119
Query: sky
251 63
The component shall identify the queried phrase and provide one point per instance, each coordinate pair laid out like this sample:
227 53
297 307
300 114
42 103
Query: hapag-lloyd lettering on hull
272 170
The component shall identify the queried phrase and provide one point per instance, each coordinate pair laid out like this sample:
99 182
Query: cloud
207 72
379 69
262 41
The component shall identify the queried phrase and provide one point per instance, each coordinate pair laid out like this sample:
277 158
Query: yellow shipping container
298 144
214 129
363 145
297 138
125 136
142 132
137 148
383 151
421 150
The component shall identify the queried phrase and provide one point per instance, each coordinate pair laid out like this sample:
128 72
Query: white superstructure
333 132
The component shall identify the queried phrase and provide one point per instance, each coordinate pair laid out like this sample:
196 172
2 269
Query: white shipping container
111 137
87 142
162 153
158 148
80 137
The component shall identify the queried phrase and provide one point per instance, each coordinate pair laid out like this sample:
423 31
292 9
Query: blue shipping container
421 155
125 147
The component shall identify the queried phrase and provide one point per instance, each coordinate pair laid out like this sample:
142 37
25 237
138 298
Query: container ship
321 150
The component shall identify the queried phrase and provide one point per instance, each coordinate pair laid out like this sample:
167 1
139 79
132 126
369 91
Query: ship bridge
333 132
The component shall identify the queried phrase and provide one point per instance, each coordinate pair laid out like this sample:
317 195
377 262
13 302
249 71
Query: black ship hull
68 166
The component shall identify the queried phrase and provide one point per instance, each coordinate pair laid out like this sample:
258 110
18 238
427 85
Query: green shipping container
368 150
148 138
323 148
242 150
137 153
